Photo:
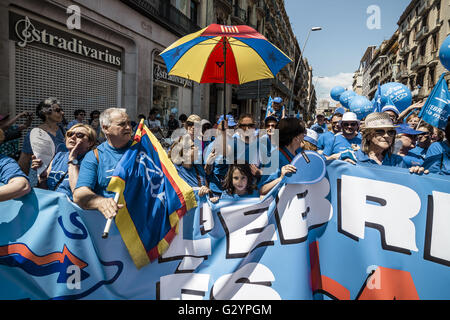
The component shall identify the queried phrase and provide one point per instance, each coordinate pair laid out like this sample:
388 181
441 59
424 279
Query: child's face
239 182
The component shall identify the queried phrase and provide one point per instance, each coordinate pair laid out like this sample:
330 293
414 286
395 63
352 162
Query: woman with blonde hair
377 145
62 173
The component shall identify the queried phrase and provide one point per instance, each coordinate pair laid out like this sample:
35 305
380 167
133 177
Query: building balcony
433 58
165 14
423 32
404 50
413 45
418 63
425 5
240 14
437 25
227 4
402 74
261 7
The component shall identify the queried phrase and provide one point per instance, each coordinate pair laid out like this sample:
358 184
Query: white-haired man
99 164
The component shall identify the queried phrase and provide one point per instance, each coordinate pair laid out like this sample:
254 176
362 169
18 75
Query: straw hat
378 120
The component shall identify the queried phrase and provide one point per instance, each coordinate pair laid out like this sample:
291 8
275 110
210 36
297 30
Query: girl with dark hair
239 183
291 133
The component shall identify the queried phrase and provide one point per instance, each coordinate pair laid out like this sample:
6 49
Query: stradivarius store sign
25 31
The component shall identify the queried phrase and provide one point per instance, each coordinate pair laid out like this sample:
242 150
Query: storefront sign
26 31
160 73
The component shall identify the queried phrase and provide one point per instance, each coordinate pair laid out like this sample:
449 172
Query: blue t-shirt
226 195
285 158
393 160
412 159
193 175
9 169
420 152
341 144
325 139
438 158
96 175
59 169
320 129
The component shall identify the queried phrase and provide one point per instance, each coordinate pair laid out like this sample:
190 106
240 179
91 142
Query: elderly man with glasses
99 164
347 140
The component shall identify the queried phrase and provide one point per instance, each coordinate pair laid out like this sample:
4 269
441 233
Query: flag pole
109 221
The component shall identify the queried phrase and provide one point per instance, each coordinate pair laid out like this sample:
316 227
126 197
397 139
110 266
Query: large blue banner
360 233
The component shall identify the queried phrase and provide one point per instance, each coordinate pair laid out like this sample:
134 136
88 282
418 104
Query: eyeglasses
349 124
79 135
382 132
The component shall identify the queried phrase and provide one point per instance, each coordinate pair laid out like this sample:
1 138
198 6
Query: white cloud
326 83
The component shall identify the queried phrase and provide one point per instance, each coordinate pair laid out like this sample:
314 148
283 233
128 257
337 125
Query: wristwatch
74 162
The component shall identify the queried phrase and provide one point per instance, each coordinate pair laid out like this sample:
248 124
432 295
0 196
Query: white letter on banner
252 281
301 207
439 249
183 286
247 228
181 247
385 206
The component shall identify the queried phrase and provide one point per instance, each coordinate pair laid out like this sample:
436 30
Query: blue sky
347 30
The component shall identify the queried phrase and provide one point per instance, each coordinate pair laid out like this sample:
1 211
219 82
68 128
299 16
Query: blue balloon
399 94
336 92
444 53
361 106
345 98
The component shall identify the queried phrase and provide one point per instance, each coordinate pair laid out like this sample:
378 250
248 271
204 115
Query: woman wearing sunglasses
62 173
51 113
377 146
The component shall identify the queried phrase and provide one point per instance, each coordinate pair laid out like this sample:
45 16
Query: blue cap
277 100
406 129
230 118
340 110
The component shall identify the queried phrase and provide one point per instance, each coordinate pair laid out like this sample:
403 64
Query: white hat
350 116
377 120
311 136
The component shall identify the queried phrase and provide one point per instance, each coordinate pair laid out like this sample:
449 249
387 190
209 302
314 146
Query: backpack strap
96 154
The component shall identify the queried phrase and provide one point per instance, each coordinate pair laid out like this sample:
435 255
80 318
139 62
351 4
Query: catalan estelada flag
155 198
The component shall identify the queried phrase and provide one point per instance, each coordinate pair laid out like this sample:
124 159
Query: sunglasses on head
349 124
79 135
390 132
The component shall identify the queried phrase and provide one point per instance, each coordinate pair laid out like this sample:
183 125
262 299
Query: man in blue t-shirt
95 173
15 182
327 139
320 126
348 139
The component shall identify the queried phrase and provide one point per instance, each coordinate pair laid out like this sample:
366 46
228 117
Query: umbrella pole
224 96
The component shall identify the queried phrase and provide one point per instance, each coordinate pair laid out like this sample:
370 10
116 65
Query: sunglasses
349 124
57 110
79 135
382 132
250 125
271 125
189 123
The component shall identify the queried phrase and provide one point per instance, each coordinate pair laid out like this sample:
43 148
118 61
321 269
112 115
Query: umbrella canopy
224 54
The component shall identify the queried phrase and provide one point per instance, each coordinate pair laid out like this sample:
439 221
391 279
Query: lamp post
299 62
310 96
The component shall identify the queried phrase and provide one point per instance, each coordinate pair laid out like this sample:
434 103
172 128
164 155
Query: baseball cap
277 100
406 129
311 136
390 108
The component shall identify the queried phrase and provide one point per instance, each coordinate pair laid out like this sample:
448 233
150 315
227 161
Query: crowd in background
216 158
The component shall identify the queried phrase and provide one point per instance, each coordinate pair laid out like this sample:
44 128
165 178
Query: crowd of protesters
228 158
